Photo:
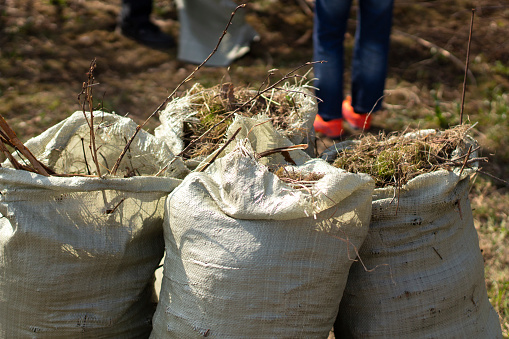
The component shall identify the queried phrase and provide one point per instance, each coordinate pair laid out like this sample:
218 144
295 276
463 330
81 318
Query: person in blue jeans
369 64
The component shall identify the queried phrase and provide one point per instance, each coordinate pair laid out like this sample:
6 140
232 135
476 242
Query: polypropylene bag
202 24
424 272
78 254
251 256
65 148
300 120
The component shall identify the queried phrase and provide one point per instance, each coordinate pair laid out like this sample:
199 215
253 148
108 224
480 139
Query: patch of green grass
499 297
501 68
491 216
442 121
493 121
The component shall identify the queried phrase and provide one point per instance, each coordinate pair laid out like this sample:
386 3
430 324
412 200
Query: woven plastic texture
249 256
78 254
424 272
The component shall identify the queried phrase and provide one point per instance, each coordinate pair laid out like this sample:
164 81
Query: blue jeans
369 65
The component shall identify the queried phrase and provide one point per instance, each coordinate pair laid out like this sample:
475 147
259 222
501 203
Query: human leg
369 66
135 12
134 22
330 24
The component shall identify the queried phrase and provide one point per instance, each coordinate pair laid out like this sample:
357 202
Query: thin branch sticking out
158 109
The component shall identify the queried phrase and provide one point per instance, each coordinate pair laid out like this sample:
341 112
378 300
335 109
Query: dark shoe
148 34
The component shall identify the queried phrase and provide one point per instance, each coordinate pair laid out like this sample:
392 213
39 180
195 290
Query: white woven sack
300 123
427 277
78 254
249 256
64 147
261 136
202 23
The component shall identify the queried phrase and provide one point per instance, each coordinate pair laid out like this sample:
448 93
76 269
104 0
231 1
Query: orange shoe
356 120
332 128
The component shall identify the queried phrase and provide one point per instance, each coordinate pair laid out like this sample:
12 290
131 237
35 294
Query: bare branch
87 91
255 97
221 149
13 139
281 149
189 77
466 67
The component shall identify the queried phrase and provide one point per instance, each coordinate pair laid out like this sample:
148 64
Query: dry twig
221 149
87 91
466 67
158 109
16 143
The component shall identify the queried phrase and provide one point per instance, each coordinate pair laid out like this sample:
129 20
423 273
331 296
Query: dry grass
396 158
214 107
297 179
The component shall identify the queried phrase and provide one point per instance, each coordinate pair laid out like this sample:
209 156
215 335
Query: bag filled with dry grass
260 250
422 273
291 110
78 253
